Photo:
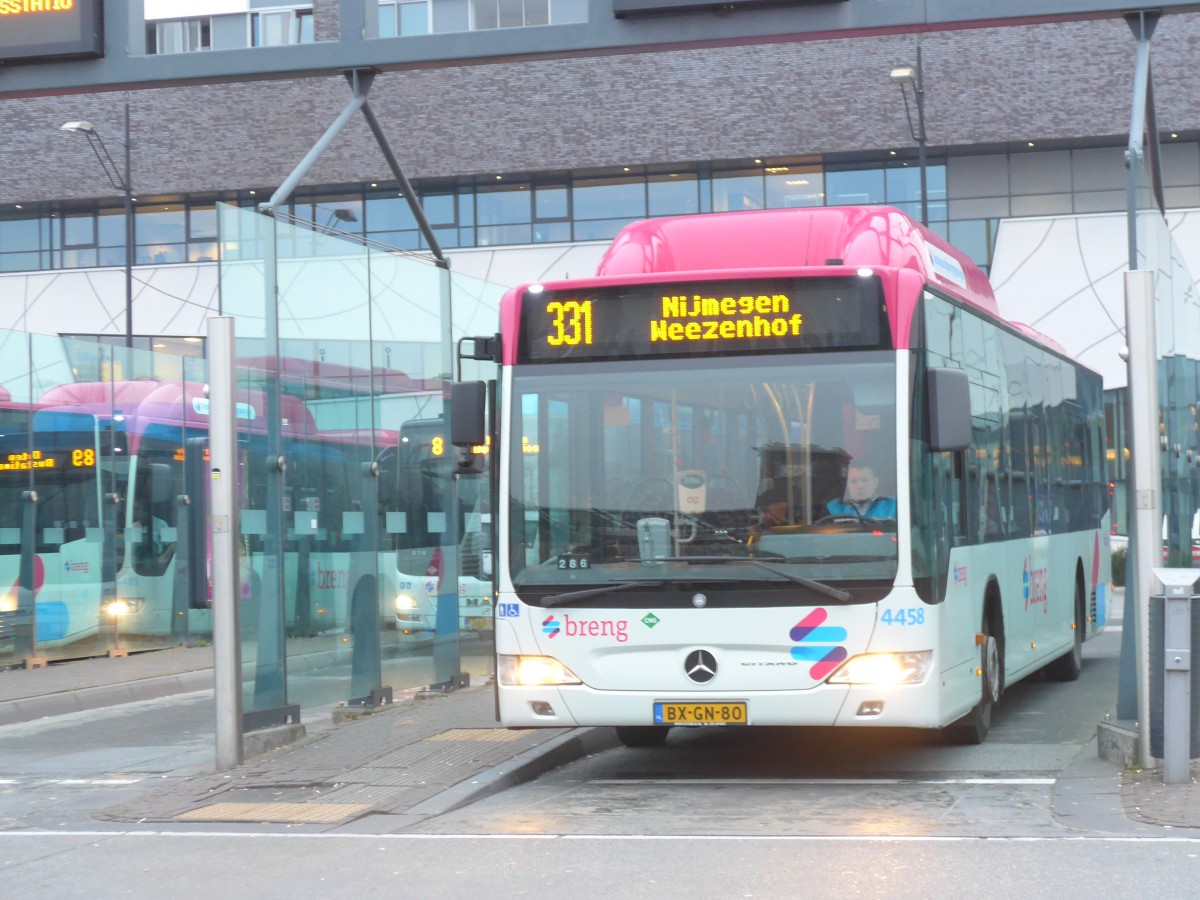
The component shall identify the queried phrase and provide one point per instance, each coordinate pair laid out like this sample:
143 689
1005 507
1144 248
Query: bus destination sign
43 30
702 318
28 460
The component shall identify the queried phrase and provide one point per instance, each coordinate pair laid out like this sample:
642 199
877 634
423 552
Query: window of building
487 14
202 232
179 36
903 189
161 232
403 18
737 190
855 187
503 215
673 194
279 27
791 187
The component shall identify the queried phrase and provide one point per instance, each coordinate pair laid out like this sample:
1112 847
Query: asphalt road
715 813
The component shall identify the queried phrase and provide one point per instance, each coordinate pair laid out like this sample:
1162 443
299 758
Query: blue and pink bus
934 474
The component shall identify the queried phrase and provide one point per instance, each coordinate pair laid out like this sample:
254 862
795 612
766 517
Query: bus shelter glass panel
86 522
351 351
1177 336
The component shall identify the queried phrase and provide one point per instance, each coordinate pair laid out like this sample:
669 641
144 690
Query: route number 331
572 323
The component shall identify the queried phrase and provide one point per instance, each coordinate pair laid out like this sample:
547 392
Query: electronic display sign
65 458
706 318
42 30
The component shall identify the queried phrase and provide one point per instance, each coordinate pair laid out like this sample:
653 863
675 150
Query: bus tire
1068 666
642 735
973 728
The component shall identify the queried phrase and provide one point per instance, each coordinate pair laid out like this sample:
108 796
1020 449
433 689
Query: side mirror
948 395
468 413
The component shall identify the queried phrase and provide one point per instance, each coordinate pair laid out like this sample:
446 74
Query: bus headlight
885 668
534 670
8 603
405 603
121 606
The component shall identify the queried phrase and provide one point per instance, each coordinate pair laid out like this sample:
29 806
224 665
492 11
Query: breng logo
1033 587
618 629
819 644
329 579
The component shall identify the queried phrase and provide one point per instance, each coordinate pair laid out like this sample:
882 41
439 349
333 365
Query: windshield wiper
828 590
572 596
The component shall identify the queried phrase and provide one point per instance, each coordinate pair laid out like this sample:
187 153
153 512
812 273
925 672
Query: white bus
720 364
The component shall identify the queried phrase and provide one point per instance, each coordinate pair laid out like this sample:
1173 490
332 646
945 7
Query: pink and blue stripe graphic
550 626
818 643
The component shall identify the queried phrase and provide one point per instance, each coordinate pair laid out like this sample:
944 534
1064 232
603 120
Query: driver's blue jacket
879 508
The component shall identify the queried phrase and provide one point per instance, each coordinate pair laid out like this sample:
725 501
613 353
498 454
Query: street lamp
123 183
905 76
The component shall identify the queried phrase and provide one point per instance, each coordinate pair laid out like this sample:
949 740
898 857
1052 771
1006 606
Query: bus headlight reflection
534 670
404 603
122 606
885 668
8 603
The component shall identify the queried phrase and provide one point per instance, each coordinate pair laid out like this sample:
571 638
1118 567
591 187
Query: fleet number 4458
912 615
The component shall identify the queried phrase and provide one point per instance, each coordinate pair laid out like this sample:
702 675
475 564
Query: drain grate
299 813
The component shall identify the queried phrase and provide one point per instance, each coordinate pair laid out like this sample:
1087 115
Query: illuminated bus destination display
702 318
41 30
77 458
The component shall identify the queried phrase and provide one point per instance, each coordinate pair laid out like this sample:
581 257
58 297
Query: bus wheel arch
1068 666
974 726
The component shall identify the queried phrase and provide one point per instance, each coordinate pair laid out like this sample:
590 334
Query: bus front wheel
974 726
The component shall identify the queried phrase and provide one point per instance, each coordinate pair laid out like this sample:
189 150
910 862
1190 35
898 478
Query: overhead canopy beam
360 85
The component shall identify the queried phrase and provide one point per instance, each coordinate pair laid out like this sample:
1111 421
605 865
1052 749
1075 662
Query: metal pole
1177 663
227 647
919 90
1144 446
130 243
361 84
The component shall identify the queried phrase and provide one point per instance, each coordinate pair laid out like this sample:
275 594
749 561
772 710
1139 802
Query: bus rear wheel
642 735
974 726
1068 667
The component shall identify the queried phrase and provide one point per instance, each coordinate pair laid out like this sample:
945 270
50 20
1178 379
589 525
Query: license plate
719 713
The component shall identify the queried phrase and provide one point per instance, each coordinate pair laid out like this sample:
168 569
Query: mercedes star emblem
700 666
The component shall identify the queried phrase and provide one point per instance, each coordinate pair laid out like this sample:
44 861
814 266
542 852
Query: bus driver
861 497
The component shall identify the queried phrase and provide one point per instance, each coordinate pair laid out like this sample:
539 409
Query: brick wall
984 86
325 20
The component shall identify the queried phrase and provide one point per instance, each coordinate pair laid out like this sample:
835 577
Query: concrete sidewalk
82 684
380 772
387 770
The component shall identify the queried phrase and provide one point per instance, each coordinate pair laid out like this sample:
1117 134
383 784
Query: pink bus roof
818 241
176 402
100 397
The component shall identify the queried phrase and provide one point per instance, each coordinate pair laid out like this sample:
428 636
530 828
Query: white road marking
86 782
693 838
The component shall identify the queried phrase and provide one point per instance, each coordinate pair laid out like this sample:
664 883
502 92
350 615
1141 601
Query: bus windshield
727 474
